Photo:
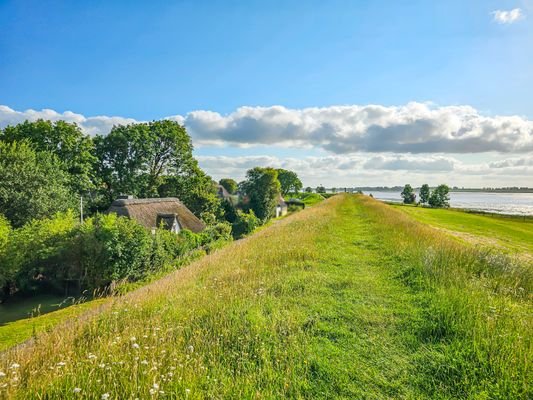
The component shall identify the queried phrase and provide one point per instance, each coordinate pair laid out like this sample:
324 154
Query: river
500 203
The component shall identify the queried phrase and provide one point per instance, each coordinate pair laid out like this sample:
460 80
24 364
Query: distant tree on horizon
308 189
440 196
408 194
424 193
320 189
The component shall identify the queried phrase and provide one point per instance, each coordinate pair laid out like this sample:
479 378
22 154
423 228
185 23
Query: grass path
327 303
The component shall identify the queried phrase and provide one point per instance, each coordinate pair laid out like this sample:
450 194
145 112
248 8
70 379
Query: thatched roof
148 212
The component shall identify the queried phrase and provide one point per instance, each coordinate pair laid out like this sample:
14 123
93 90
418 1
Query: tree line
438 197
46 167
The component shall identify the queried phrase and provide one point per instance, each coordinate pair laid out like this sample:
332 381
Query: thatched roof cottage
152 213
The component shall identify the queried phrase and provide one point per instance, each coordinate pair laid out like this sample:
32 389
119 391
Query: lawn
513 233
349 299
309 199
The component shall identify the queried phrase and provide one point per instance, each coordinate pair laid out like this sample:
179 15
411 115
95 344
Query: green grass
19 329
514 233
349 299
309 199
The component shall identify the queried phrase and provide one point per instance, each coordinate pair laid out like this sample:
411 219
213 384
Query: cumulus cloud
410 128
507 17
371 168
91 125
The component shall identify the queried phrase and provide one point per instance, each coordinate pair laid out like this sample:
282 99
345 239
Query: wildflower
144 362
187 391
133 339
2 374
15 366
77 390
102 365
135 345
152 391
106 396
190 348
91 356
156 386
61 364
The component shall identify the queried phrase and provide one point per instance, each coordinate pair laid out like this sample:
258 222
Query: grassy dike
347 299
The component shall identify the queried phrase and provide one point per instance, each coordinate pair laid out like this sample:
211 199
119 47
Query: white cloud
411 128
91 125
507 17
383 169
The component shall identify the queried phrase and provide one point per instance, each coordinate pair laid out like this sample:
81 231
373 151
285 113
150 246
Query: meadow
351 298
506 232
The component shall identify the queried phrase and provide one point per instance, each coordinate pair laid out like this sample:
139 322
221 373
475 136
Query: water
500 203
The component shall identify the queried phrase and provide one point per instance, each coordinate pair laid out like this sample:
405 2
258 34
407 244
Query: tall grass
349 298
477 325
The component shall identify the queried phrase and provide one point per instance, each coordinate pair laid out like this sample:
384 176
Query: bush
35 256
113 248
244 224
440 197
214 235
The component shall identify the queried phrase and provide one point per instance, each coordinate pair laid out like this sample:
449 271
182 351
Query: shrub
244 224
35 254
113 248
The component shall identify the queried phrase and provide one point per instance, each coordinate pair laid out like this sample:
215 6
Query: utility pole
81 209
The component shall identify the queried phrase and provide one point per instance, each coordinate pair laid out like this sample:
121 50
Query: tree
229 184
33 184
308 189
66 141
424 193
135 158
440 197
289 181
5 272
408 194
321 189
262 189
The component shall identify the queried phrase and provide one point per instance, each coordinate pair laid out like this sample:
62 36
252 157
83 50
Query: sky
345 93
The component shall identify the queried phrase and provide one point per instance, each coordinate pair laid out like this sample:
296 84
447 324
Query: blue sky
149 60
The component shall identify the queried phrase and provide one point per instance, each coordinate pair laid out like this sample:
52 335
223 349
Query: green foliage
134 159
262 189
289 181
308 189
5 273
113 248
65 140
244 224
309 198
408 194
229 184
320 189
33 184
35 254
229 211
440 197
424 193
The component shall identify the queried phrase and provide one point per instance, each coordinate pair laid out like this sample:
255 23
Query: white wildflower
190 348
77 390
61 364
187 391
106 396
144 362
135 346
15 366
152 391
91 356
2 374
133 339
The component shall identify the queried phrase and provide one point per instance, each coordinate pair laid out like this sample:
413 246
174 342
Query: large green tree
33 184
153 159
289 181
65 140
262 189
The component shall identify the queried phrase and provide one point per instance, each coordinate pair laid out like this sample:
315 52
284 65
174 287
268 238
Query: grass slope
348 299
514 233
